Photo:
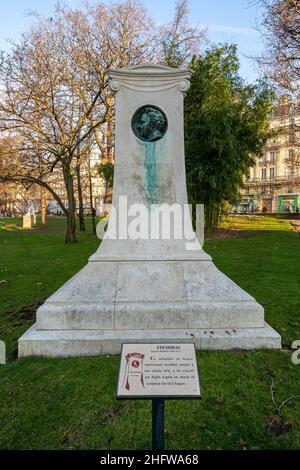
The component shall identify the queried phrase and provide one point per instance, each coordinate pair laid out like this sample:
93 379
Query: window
272 173
291 138
272 157
291 153
263 174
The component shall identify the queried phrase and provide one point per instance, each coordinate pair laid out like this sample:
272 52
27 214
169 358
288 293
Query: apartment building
273 183
15 198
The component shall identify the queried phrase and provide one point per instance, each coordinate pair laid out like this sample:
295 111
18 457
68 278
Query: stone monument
29 219
147 289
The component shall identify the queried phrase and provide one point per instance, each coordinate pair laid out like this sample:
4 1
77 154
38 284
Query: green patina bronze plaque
149 123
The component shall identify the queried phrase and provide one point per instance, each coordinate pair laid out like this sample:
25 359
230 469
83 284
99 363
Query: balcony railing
276 179
266 162
273 145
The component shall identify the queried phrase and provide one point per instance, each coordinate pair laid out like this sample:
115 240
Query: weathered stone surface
148 289
240 338
149 294
225 314
151 281
95 282
62 343
150 315
204 282
76 316
87 342
27 221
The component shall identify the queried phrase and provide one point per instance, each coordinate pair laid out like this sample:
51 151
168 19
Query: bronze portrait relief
149 123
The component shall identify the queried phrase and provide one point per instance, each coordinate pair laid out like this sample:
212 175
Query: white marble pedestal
141 290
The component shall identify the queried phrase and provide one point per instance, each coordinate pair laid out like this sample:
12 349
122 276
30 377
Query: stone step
128 315
99 342
149 295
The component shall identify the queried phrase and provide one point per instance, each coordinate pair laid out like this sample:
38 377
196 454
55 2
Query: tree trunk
43 206
32 180
110 140
71 227
93 212
80 199
212 216
71 214
105 193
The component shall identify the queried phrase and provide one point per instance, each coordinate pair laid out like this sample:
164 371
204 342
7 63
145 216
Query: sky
226 20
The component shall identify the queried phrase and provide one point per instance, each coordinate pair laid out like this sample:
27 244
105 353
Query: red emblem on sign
133 362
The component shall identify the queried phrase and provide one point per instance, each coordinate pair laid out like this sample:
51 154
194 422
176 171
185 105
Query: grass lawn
70 403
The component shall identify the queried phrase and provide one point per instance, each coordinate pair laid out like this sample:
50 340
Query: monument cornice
149 77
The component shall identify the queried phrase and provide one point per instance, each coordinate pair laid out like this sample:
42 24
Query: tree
16 197
179 40
109 36
280 28
90 190
41 107
106 171
19 170
226 127
79 191
55 95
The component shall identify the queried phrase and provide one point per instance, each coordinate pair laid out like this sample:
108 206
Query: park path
295 224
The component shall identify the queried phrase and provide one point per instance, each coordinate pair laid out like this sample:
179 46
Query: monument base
66 343
110 302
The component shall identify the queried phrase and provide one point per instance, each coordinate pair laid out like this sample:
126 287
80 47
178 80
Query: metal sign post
158 424
158 372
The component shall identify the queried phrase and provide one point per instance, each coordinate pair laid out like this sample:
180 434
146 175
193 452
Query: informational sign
165 370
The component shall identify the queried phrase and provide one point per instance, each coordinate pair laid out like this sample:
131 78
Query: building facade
15 198
98 188
273 183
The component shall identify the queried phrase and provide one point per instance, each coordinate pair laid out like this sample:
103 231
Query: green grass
267 265
70 403
256 223
33 264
